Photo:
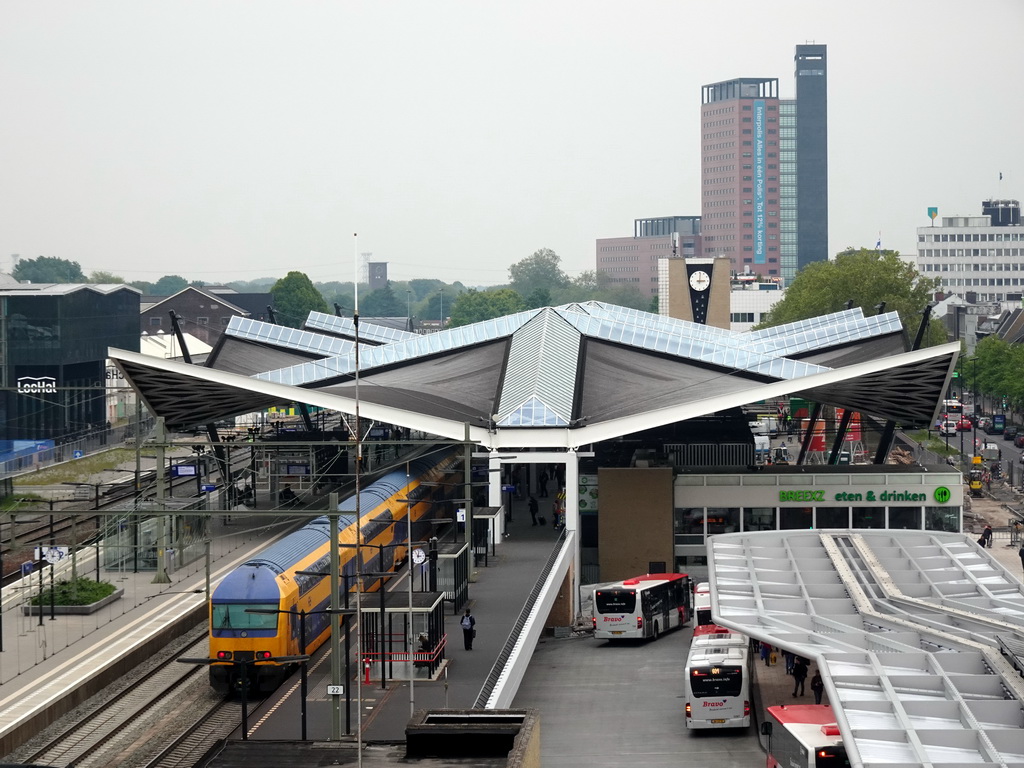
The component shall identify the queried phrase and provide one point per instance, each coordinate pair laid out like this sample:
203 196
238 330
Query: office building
978 258
634 260
764 170
53 350
811 157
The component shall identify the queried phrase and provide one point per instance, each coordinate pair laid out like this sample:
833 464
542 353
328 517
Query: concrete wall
635 522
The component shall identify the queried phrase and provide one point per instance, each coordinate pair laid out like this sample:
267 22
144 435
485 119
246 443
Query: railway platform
497 594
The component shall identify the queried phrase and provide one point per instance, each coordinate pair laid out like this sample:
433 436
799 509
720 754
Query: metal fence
66 449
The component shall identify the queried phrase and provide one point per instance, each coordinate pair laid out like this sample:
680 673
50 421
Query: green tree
382 303
295 297
539 297
146 288
48 269
168 285
866 277
474 306
1000 371
105 278
539 270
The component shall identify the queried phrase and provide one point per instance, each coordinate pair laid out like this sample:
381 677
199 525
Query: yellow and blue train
271 580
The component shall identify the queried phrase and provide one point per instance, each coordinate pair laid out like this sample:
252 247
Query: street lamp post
442 309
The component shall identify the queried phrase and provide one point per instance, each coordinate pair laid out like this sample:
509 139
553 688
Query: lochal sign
42 385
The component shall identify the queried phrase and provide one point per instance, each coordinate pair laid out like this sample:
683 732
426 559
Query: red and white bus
641 607
804 736
717 680
702 603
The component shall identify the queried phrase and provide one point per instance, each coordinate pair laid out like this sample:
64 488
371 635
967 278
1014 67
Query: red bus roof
811 714
712 629
654 577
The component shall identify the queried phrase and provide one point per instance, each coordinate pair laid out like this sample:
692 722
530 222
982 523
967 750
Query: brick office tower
740 173
764 170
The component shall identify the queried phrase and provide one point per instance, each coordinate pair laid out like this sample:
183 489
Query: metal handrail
513 638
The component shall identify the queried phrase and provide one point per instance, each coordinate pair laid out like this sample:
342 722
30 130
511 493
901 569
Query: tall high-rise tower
740 173
811 153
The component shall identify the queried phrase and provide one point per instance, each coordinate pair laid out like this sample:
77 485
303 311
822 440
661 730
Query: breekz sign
44 385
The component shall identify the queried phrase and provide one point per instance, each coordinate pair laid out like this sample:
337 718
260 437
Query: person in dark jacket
468 624
817 686
799 674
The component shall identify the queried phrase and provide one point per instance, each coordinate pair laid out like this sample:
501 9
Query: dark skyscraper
811 153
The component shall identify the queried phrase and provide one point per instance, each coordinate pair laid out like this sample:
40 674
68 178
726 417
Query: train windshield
237 616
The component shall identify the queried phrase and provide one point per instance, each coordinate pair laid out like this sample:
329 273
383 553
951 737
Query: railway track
194 742
88 739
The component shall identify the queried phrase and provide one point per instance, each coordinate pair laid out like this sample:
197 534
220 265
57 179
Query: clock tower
695 289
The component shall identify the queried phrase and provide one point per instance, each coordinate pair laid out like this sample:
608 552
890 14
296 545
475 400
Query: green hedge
81 591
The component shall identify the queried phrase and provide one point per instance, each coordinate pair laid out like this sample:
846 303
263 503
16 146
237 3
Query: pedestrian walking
766 650
533 510
788 658
1021 553
986 536
817 686
468 624
543 482
799 675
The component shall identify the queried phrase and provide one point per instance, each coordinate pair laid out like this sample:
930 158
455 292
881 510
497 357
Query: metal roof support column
809 433
844 425
572 520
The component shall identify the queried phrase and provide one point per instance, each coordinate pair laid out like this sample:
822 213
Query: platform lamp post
244 687
335 651
302 648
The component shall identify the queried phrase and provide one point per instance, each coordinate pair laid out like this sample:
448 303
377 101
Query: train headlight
263 655
223 655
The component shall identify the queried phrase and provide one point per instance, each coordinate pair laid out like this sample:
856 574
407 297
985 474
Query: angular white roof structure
557 377
919 636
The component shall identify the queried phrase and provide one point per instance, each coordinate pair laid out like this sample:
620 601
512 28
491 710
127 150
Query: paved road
608 704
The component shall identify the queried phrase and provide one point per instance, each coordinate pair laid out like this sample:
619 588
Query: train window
236 616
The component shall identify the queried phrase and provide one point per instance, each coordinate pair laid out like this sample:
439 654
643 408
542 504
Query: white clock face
700 280
419 556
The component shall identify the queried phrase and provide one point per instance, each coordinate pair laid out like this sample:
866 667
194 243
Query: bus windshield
235 616
716 681
615 601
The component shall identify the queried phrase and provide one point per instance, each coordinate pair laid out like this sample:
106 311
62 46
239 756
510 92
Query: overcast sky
236 140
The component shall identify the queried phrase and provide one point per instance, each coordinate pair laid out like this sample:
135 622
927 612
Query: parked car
1010 431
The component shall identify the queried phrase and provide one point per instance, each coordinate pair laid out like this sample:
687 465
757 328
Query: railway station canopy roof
918 636
556 377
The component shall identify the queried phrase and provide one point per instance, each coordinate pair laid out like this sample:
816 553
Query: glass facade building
53 351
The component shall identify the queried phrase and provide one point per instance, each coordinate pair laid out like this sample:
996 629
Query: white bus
641 607
717 681
804 736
